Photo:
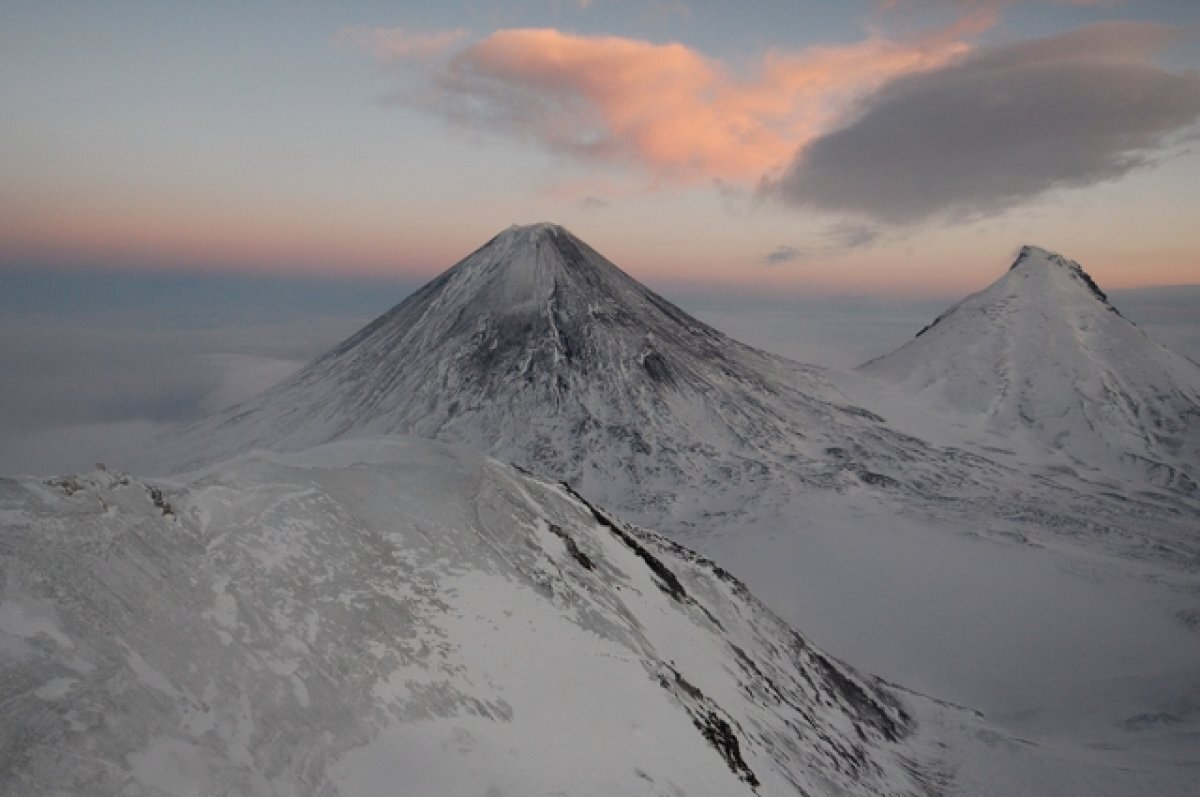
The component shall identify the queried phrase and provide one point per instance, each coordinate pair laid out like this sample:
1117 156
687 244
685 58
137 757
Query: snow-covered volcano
538 350
393 617
385 613
1040 357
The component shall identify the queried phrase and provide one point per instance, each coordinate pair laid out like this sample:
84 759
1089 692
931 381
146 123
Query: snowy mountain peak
541 229
534 270
523 240
538 350
1036 255
1041 356
1033 258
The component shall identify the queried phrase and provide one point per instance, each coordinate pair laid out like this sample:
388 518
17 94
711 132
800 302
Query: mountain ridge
385 612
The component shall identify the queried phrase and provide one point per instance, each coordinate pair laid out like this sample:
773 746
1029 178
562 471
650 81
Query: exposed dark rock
709 719
667 581
572 547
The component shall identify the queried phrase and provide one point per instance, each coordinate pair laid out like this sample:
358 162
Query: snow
999 519
428 626
872 588
172 766
548 746
1041 360
147 674
55 688
27 618
641 394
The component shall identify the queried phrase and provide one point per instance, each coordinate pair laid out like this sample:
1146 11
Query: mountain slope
1040 357
538 350
377 614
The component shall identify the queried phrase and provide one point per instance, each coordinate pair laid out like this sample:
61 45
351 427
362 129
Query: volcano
537 350
1041 359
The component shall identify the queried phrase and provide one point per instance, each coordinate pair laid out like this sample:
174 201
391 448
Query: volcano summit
1041 358
538 350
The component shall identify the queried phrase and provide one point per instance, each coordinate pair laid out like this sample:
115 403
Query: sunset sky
812 146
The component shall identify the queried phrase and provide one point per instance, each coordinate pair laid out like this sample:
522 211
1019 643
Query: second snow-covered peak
1036 255
1059 274
1041 354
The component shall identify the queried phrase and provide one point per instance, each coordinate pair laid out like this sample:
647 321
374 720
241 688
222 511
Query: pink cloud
668 109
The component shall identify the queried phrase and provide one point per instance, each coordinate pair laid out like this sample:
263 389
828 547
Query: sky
196 198
807 146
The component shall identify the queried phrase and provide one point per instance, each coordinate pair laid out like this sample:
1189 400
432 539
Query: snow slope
1040 358
1086 664
396 617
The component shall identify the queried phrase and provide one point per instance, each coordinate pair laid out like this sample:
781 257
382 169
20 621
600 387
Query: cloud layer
999 127
836 239
663 108
81 388
894 131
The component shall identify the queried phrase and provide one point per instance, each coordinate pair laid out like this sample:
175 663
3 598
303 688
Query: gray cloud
594 203
848 235
1000 127
834 240
783 254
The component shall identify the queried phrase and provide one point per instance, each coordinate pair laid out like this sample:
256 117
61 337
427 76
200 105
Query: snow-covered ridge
387 612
